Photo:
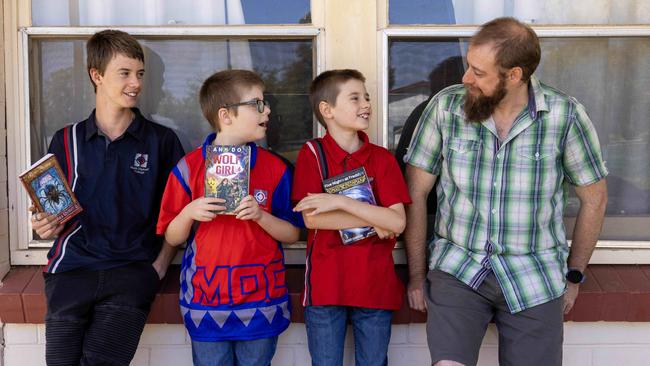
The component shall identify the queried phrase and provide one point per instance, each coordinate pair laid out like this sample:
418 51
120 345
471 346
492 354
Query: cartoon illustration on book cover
226 174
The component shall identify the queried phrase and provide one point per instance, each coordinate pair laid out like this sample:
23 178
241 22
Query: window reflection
61 93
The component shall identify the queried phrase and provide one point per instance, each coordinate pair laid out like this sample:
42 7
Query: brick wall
586 344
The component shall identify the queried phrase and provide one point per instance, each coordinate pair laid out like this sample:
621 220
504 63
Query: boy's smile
352 109
121 84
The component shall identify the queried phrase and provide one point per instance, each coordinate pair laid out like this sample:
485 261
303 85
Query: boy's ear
325 109
223 116
95 75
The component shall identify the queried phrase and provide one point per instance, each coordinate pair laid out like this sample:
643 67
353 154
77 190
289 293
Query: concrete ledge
611 293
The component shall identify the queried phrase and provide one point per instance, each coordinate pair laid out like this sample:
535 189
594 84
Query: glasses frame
260 103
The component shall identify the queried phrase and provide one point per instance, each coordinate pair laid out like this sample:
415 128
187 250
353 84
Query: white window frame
607 251
24 250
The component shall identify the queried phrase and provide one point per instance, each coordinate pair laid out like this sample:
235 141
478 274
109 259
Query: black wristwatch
575 276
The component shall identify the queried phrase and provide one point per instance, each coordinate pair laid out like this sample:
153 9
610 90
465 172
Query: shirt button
494 210
498 156
536 155
494 184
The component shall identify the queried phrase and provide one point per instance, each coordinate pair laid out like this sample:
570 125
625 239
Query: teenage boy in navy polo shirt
234 297
355 281
105 265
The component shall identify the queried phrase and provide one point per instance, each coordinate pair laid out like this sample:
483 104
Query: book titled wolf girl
48 189
353 184
227 170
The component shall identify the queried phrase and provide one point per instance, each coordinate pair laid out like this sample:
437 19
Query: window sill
611 293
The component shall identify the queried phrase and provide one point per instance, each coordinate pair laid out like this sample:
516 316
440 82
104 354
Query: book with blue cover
353 184
227 170
49 190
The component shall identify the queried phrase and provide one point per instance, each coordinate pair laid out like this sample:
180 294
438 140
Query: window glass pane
532 11
61 92
168 12
609 76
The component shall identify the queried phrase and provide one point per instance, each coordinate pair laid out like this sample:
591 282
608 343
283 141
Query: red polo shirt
361 274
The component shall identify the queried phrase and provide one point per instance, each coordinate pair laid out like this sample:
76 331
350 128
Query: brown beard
479 108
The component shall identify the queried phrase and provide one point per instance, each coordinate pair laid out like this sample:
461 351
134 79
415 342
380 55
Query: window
184 42
603 63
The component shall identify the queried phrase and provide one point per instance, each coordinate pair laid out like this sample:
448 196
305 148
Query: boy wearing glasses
234 299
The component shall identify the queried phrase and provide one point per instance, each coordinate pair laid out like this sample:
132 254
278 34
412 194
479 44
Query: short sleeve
425 149
390 185
582 158
306 176
281 202
176 196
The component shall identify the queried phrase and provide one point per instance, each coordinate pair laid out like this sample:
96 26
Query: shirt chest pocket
536 171
534 155
462 160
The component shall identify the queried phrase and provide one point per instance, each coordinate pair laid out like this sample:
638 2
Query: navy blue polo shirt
119 185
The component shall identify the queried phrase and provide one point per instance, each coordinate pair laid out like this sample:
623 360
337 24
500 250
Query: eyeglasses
257 102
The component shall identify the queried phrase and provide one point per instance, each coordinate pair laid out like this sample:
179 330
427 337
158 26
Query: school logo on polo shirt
140 163
261 196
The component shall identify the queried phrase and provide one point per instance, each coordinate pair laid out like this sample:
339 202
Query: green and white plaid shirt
500 203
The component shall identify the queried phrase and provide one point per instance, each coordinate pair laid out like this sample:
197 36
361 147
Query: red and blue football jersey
232 276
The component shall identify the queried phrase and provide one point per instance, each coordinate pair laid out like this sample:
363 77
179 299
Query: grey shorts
458 317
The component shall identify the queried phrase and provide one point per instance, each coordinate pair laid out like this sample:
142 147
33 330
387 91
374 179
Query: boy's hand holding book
204 209
46 225
249 209
383 233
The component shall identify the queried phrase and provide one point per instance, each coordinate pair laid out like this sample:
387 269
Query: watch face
574 276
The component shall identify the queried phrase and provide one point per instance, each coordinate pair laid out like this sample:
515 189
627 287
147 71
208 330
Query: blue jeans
326 327
257 352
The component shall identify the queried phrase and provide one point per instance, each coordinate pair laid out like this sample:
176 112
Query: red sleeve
306 178
390 185
175 198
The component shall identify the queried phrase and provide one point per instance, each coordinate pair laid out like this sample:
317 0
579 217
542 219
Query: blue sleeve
281 202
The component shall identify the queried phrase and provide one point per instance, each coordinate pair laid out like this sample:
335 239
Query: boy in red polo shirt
234 299
356 281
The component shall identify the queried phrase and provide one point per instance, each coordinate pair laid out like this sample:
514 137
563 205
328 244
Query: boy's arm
165 256
392 218
279 229
201 209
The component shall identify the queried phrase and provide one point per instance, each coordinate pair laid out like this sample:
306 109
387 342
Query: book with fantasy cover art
227 171
353 184
49 190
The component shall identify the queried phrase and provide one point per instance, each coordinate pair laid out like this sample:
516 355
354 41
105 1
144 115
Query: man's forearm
589 222
415 238
585 236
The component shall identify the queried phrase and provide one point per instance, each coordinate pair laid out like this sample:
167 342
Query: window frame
607 251
19 33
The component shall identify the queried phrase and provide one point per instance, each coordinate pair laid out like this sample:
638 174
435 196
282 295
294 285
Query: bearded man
503 145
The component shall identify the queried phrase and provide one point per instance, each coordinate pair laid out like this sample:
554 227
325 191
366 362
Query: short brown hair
325 88
104 45
223 88
515 43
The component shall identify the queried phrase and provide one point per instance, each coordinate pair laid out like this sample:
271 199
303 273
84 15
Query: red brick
34 302
11 308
